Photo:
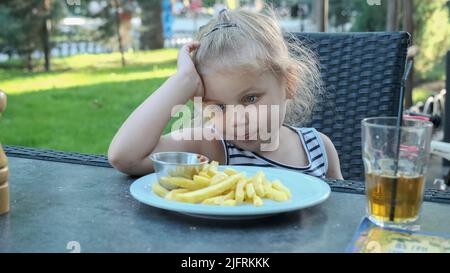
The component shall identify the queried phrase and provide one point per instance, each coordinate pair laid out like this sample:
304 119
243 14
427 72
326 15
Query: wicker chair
362 74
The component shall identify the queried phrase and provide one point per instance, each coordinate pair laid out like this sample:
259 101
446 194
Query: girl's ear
290 81
289 94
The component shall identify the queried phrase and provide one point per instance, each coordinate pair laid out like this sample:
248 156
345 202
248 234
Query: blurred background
74 70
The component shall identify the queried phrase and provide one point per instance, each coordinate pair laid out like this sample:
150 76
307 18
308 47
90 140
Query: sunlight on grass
72 79
80 105
114 59
92 69
420 94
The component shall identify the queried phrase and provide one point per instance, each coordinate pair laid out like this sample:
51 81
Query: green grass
436 73
420 94
81 104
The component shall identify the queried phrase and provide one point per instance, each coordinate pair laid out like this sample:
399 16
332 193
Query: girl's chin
248 145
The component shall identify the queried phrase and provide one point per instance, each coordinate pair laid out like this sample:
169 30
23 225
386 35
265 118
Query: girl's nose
241 119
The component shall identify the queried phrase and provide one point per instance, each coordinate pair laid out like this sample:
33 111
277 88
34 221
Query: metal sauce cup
181 164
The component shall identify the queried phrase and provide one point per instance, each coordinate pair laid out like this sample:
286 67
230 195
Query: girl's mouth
247 136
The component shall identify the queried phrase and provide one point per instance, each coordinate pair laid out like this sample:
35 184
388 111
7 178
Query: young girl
240 58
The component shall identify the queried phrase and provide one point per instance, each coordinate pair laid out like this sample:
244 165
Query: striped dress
308 137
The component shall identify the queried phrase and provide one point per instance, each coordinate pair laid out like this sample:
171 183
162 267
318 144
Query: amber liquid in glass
408 197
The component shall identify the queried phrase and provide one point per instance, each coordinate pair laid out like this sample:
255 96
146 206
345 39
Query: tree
114 15
117 10
22 15
432 35
152 36
29 28
340 12
408 26
46 30
392 15
322 10
369 17
10 37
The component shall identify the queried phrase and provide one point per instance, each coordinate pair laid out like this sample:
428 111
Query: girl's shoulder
306 130
328 149
311 132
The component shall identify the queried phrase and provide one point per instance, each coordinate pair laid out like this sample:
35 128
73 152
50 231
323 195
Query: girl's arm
140 135
334 167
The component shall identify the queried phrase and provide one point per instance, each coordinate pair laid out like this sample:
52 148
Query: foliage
432 35
25 22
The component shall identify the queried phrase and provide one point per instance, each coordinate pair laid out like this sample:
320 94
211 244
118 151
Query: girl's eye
250 99
222 106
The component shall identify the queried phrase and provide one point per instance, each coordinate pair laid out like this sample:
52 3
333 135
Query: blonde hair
255 42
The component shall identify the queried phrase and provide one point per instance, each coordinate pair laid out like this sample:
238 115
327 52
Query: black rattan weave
362 74
58 156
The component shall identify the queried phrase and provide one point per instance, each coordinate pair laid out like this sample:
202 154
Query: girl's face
260 95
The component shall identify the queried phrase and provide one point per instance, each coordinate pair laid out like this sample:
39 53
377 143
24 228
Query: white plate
306 191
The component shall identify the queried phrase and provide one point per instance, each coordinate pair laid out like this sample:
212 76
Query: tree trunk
322 10
152 36
46 34
391 22
119 36
29 61
409 27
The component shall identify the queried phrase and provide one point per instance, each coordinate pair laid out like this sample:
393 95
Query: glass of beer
395 162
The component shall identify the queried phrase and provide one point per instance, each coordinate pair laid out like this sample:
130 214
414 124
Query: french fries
184 182
210 191
159 190
209 186
172 195
240 190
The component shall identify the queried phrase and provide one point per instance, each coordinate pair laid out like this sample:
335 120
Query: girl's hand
187 71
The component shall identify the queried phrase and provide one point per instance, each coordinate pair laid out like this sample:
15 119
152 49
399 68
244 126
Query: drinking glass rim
418 124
